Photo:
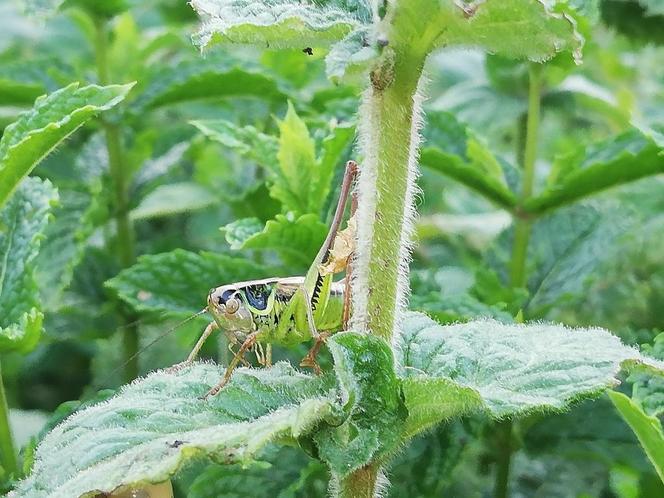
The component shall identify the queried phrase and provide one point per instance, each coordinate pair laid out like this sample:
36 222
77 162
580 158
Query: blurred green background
204 140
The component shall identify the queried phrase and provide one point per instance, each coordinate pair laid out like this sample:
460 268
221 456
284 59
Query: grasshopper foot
309 361
177 367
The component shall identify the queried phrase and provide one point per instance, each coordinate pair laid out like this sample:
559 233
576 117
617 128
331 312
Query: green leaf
351 56
457 308
364 366
565 249
513 369
245 140
297 162
648 391
52 119
239 231
334 146
178 282
66 239
635 19
206 80
648 429
155 426
451 149
22 223
174 198
519 29
278 23
622 159
296 241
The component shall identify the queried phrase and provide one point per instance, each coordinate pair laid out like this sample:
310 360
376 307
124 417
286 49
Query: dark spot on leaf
176 444
308 51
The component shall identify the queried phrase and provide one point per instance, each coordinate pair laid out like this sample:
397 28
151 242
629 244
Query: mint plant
479 372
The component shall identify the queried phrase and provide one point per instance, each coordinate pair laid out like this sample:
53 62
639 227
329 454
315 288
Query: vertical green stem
120 181
360 484
7 451
522 228
385 190
518 275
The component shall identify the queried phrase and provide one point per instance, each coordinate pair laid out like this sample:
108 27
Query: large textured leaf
451 149
155 426
565 249
206 80
520 29
178 282
296 241
278 23
508 369
364 365
22 223
648 429
619 160
52 119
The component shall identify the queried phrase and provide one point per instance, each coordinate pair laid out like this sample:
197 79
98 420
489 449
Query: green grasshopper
283 311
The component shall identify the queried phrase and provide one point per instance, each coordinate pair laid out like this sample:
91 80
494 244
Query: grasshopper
285 311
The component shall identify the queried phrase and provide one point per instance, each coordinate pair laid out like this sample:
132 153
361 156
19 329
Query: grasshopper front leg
211 327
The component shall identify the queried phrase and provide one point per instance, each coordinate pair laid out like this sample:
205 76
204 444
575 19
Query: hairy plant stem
124 227
7 451
386 187
360 484
518 274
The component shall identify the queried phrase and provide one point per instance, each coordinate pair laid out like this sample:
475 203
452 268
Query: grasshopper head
229 310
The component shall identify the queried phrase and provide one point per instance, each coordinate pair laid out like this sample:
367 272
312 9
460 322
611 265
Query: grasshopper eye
232 305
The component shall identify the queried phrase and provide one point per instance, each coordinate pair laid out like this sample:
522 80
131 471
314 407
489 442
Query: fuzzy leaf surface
154 426
178 282
278 23
364 365
625 158
513 369
452 150
648 429
518 29
22 222
52 119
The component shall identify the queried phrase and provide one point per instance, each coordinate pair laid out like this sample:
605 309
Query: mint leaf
66 239
364 366
22 223
246 141
625 158
648 429
178 282
205 80
278 23
52 119
519 29
451 149
508 369
155 426
240 230
297 241
351 56
174 198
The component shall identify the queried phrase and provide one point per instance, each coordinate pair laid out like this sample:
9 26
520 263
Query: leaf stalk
7 448
120 181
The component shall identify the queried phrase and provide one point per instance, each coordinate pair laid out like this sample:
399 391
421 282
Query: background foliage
214 150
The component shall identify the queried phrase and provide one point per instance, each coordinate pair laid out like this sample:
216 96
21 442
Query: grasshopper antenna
148 346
